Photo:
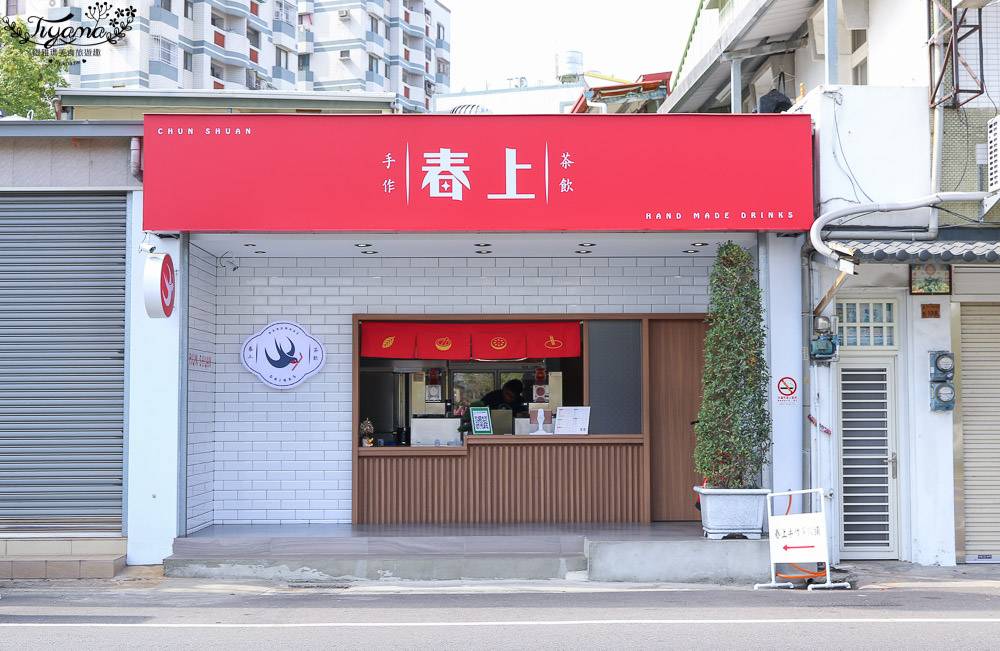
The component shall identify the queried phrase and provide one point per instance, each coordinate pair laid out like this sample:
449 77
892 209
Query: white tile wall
201 390
285 456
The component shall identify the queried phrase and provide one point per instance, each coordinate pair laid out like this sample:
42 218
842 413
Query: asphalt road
156 613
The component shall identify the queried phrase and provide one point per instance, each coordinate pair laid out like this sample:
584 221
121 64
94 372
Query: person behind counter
509 397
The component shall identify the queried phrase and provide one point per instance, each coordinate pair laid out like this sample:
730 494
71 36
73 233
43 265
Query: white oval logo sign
283 354
159 285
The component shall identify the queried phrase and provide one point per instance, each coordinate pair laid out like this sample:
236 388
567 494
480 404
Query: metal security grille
867 461
62 343
980 359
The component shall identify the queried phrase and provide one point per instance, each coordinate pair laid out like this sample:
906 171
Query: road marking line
584 622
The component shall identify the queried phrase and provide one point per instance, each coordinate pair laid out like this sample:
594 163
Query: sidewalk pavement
862 575
899 574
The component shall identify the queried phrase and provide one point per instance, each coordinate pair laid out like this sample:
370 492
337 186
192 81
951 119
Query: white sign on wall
283 355
159 285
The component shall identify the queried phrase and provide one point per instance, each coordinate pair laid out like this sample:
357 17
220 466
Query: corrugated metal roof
965 252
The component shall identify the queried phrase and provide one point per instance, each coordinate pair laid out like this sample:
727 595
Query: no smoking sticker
788 390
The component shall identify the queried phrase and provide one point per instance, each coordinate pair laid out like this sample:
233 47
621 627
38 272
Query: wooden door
676 350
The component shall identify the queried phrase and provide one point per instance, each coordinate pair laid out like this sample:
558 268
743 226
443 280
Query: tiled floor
593 531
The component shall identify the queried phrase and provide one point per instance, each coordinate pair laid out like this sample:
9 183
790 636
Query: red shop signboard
242 172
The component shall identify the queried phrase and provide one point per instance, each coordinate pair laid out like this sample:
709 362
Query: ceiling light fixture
361 246
369 252
583 251
484 251
699 244
481 244
689 251
586 244
249 245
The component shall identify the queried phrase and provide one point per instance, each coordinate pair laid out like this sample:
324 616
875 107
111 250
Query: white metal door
868 461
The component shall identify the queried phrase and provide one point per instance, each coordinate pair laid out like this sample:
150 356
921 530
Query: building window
188 61
163 4
859 57
373 63
303 62
216 70
427 52
254 37
15 7
444 68
867 324
282 58
286 12
189 9
374 24
218 21
440 32
164 50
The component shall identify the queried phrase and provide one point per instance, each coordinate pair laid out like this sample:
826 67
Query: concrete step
64 546
680 561
348 567
543 556
53 566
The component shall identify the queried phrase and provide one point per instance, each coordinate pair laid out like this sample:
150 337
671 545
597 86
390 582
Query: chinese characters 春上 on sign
449 174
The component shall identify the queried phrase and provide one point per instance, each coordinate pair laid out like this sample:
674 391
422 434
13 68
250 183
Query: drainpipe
832 51
135 157
937 133
736 86
816 232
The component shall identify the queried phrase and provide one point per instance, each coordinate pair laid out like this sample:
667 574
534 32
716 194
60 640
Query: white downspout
135 157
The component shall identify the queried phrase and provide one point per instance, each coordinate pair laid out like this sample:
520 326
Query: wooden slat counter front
587 478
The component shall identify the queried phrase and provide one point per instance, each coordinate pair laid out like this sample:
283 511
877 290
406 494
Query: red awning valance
489 340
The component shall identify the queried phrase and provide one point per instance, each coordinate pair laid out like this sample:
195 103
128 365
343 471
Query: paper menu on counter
572 420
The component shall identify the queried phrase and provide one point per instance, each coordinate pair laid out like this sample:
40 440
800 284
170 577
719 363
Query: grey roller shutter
62 361
980 359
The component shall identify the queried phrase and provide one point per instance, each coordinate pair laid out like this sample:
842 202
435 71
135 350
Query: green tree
28 81
733 433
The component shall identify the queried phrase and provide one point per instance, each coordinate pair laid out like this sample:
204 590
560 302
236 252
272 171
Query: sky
492 41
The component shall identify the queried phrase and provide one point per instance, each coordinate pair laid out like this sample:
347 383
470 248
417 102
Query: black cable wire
965 217
850 172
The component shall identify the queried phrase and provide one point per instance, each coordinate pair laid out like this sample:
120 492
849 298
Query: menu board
572 420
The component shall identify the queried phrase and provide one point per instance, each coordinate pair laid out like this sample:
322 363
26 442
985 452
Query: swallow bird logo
284 357
167 285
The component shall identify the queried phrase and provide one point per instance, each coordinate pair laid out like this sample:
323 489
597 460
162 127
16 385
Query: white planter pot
726 511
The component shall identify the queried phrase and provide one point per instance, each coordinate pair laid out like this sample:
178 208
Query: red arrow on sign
786 547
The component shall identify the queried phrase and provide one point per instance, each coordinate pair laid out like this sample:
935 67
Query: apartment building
399 46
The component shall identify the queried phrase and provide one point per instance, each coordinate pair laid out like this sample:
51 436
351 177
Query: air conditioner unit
345 54
993 153
344 14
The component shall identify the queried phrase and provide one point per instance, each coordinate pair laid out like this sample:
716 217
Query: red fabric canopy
488 340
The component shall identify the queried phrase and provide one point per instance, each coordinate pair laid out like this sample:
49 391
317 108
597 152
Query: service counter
513 478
